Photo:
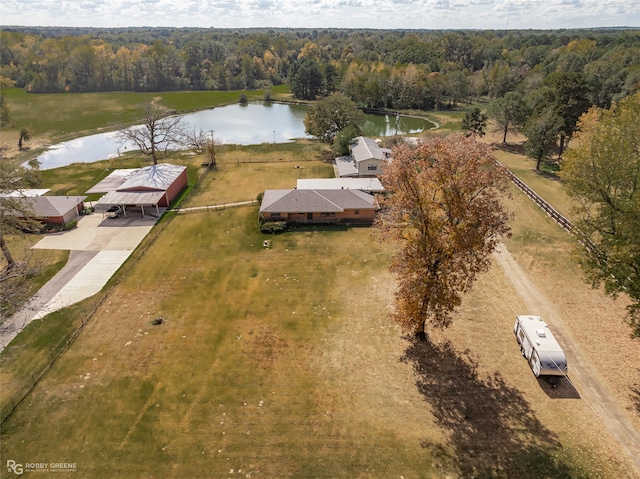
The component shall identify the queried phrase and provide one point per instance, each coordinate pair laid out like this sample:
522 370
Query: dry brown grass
282 362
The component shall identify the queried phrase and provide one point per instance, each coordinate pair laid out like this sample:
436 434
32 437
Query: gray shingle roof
53 205
315 201
366 149
346 166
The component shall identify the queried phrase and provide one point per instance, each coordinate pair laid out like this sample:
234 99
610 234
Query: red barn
152 186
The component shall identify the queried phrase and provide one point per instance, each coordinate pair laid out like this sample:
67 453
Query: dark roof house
55 209
318 206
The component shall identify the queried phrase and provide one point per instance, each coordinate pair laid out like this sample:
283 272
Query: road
583 374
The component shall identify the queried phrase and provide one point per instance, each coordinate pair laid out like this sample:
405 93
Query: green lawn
67 115
232 380
270 362
279 361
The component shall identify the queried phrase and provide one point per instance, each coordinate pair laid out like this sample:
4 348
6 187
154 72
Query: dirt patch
264 344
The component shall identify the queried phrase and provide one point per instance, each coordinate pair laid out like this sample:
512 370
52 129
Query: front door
310 216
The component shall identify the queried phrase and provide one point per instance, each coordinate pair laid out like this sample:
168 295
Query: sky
394 14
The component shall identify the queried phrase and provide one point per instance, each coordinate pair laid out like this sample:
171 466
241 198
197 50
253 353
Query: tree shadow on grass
493 430
514 148
635 397
549 172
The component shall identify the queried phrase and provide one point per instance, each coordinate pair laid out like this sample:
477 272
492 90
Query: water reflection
250 124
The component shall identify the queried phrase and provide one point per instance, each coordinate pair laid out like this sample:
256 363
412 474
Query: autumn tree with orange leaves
445 209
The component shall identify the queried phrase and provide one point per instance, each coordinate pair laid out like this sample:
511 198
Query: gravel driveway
584 376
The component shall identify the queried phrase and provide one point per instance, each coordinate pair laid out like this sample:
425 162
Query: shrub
243 99
70 225
271 227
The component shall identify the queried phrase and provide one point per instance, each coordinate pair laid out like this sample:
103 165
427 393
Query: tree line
542 80
376 68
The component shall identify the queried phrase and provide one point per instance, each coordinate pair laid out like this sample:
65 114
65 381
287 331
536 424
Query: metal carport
136 198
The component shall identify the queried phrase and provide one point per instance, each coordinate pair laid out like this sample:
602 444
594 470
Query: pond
250 124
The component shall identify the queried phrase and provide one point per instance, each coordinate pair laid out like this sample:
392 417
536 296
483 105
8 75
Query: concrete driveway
99 246
95 233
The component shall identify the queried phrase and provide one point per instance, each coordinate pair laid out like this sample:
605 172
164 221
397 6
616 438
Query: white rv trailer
539 347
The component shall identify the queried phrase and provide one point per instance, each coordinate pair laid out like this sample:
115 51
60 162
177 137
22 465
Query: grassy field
77 112
271 166
56 117
261 367
281 361
546 183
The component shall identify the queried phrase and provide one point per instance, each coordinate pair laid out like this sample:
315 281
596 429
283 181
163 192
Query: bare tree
15 219
159 132
203 141
210 151
14 283
197 139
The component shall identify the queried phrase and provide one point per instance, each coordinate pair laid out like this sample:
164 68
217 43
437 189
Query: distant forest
376 68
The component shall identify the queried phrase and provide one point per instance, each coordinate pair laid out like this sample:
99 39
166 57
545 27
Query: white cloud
427 14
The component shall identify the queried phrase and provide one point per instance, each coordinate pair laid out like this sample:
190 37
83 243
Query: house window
372 167
274 215
329 214
356 212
